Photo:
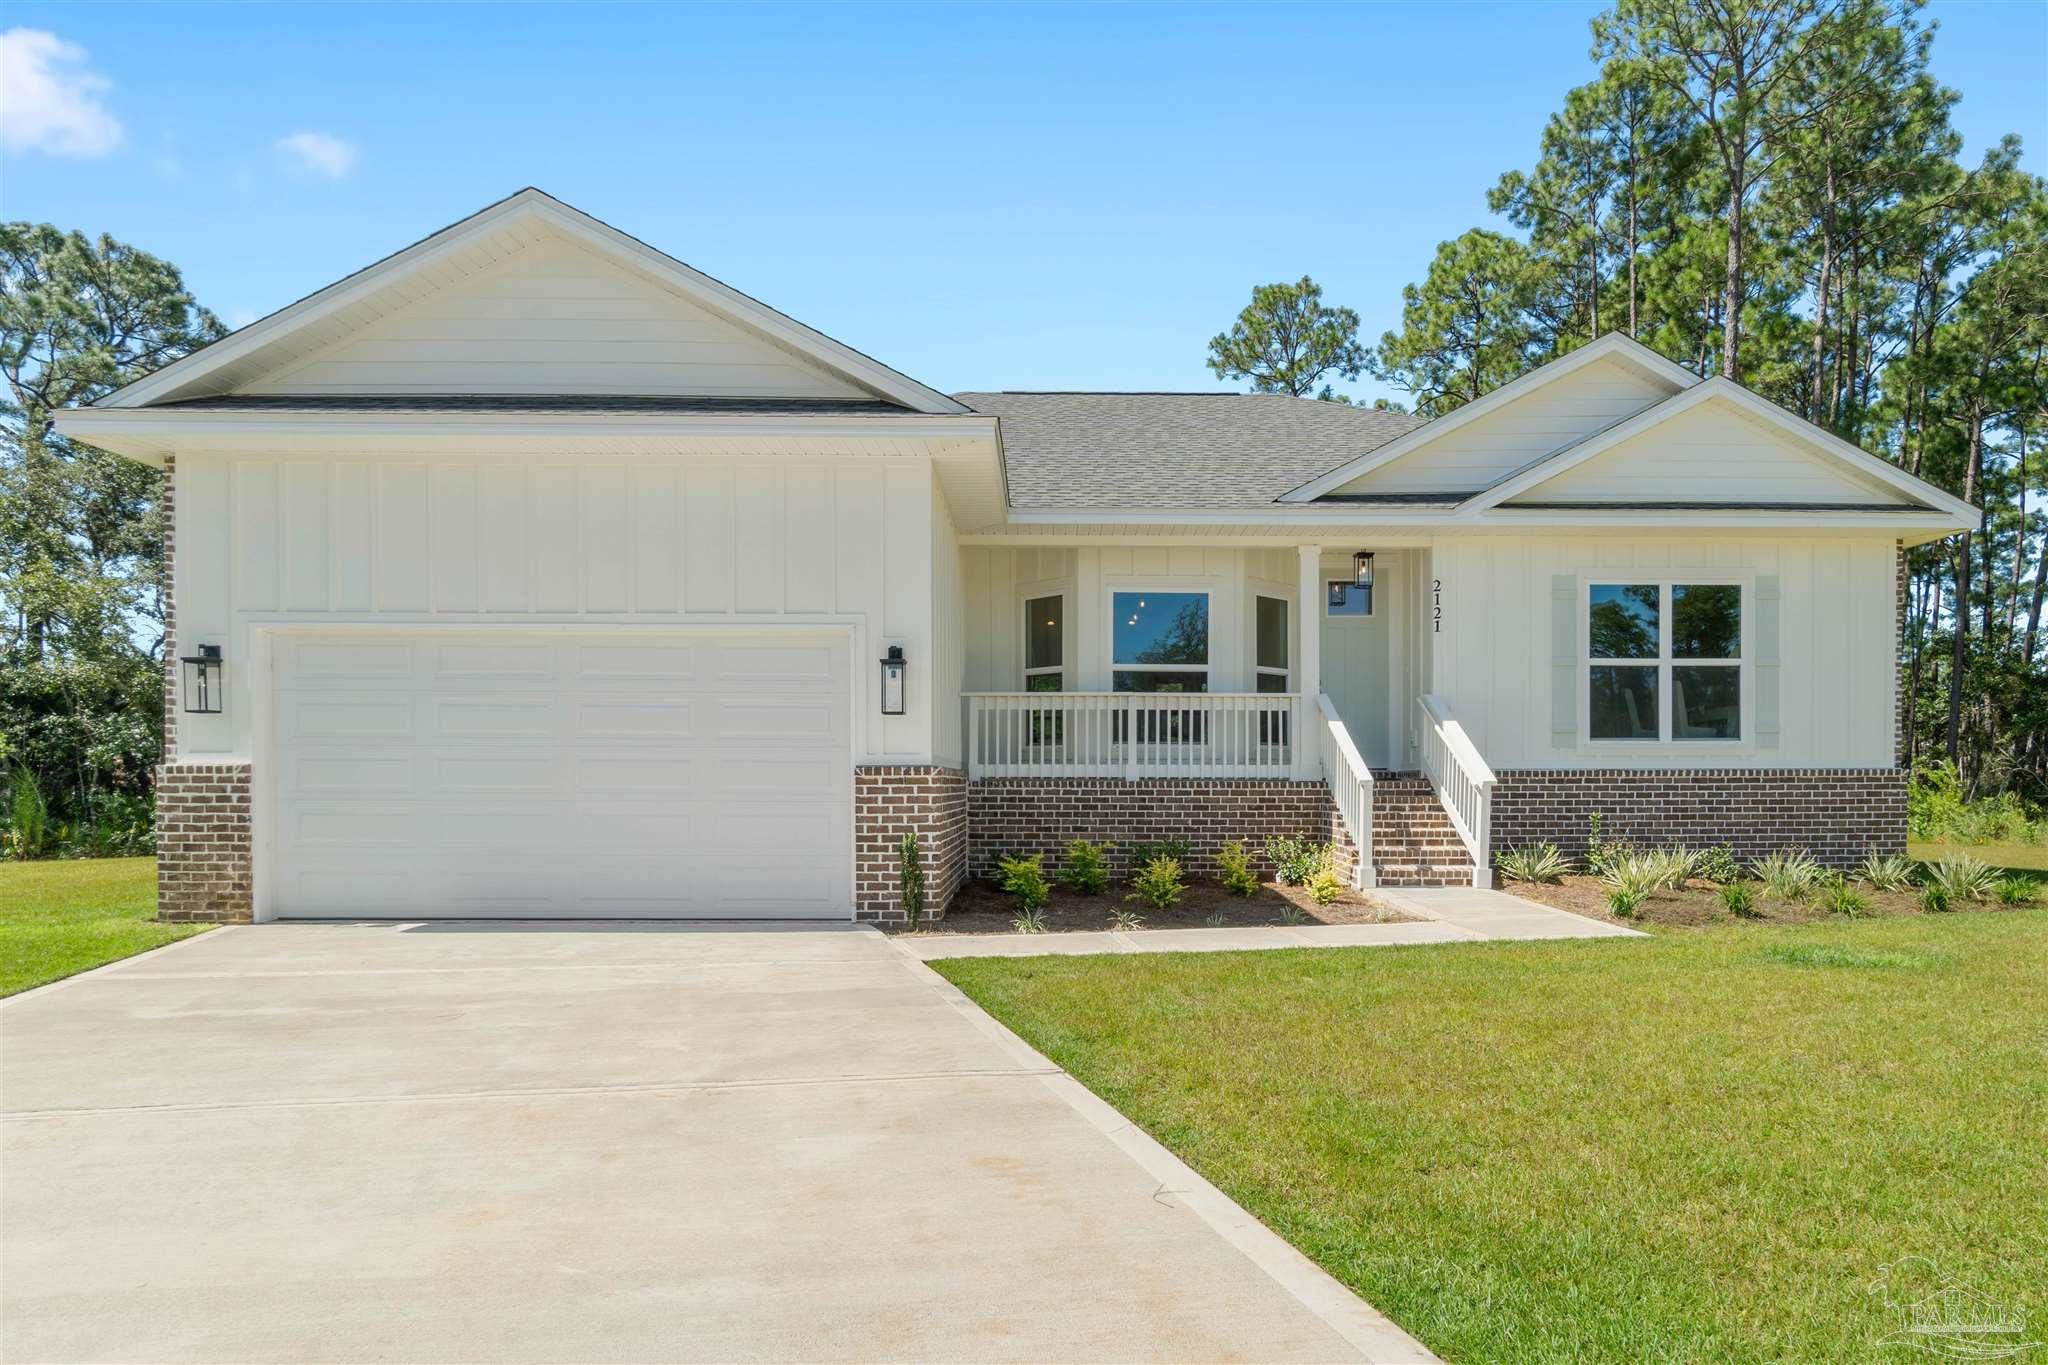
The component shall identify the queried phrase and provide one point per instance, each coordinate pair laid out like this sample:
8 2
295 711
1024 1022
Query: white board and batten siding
1496 658
488 540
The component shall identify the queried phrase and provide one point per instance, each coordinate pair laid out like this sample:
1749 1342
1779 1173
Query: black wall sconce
202 680
893 666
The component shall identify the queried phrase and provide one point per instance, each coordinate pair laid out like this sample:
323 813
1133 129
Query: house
531 572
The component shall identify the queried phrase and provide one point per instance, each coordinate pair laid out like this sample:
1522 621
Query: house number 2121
1436 614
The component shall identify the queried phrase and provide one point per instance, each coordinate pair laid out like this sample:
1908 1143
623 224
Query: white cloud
323 153
50 99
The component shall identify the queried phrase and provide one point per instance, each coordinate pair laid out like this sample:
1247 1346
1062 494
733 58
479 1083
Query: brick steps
1413 841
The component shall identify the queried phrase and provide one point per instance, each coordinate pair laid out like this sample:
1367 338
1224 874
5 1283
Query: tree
1286 340
1466 328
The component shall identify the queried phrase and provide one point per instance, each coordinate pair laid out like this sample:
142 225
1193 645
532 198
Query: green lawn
2020 857
57 918
1697 1146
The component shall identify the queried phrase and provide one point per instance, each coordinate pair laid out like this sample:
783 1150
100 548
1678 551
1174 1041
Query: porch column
1308 634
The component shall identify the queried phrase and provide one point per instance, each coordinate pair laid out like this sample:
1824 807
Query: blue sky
983 196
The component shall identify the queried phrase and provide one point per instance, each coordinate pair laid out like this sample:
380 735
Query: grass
2012 857
1701 1145
60 918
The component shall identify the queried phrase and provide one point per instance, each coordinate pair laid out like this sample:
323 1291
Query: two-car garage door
545 774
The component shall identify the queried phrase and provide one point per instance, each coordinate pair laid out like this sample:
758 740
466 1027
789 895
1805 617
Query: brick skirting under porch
1042 814
203 868
886 803
1836 814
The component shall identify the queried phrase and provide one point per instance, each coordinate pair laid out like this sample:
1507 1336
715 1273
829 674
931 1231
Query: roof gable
527 296
1473 446
1716 444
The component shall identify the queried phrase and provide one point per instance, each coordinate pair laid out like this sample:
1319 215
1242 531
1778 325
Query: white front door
1363 657
555 774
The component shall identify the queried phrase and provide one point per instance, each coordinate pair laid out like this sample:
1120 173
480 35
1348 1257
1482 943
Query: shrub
28 817
912 878
1535 863
1937 808
1623 900
1961 877
1717 864
2015 890
1740 899
1325 886
1788 875
1887 871
1844 899
1124 920
1151 851
1158 883
1029 922
1290 913
1638 874
1024 878
1933 900
1602 853
1295 860
1086 870
1670 866
1236 864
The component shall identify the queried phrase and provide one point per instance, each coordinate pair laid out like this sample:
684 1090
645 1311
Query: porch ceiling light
1361 569
893 667
202 680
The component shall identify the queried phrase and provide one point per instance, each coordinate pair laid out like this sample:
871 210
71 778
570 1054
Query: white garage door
548 774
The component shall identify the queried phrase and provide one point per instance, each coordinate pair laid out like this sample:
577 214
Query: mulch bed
1700 903
983 908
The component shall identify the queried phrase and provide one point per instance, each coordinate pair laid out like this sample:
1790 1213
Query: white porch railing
1350 780
1463 783
1132 734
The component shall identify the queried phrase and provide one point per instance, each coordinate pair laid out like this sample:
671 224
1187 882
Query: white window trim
1260 670
1026 595
1664 746
1203 587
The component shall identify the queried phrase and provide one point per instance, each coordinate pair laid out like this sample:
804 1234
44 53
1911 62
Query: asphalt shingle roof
1167 450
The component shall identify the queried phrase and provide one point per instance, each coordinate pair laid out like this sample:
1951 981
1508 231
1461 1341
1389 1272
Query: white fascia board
1761 409
1247 516
714 294
1613 344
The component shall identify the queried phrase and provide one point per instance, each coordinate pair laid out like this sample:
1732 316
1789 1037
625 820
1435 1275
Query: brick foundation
202 842
886 803
1042 814
1836 814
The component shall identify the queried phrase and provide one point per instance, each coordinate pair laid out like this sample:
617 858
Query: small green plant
1295 860
1962 877
1886 871
1933 899
1602 852
1788 875
1844 899
1325 886
2015 890
1234 860
1639 874
1535 863
1149 851
1624 900
1158 883
1123 921
1739 898
1086 869
1217 920
1024 878
1717 864
1290 913
910 874
1029 922
1669 866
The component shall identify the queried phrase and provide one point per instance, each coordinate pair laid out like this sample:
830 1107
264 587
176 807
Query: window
1664 661
1348 599
1045 646
1159 641
1271 658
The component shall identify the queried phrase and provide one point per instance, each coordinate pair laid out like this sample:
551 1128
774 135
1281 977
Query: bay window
1664 661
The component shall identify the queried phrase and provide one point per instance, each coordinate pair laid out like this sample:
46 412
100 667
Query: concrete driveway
542 1142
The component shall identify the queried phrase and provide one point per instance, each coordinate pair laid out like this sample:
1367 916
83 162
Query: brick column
887 802
203 866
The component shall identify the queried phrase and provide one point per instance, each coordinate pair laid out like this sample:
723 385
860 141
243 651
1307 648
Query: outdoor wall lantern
893 665
1361 569
202 680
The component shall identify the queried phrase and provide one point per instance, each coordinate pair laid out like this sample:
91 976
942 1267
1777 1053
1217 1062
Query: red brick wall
1836 814
1042 814
886 803
202 842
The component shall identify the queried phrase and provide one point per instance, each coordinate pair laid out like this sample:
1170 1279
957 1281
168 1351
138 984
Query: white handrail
1131 734
1463 782
1350 779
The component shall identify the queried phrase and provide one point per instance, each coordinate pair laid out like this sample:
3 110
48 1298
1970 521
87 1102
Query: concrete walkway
625 1142
1448 915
